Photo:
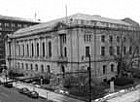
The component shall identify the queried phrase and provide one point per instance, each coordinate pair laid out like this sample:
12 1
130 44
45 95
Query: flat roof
79 16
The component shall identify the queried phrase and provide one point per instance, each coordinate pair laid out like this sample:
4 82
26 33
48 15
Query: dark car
8 85
24 91
33 94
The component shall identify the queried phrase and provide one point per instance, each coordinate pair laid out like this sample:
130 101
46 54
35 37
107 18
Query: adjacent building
9 25
64 45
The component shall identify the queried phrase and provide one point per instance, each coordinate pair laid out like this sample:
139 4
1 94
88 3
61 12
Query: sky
52 9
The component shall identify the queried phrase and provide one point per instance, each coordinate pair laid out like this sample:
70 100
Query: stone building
9 25
64 45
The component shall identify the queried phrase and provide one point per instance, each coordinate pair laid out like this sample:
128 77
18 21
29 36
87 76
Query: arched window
48 68
27 50
65 52
26 66
32 50
43 48
37 49
36 67
19 50
23 50
42 68
50 49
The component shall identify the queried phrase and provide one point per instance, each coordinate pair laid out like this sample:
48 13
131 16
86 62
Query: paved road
46 93
131 96
12 95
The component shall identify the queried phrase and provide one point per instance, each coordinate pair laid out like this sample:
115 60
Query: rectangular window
104 69
103 38
102 51
118 39
50 49
112 67
124 49
31 67
124 39
43 48
87 50
118 50
63 38
110 39
22 66
27 50
87 37
130 50
111 50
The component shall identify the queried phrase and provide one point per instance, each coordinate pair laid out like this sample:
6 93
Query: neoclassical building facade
64 45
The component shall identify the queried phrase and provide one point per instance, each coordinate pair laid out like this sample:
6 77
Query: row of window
118 50
103 24
13 24
63 38
111 50
118 39
35 68
22 50
105 68
87 37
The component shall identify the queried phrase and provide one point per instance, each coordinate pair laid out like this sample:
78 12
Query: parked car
62 91
36 84
24 90
33 94
8 85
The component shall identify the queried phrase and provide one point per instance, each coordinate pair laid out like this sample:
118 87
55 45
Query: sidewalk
43 92
46 93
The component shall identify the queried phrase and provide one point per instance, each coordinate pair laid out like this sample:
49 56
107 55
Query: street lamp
89 71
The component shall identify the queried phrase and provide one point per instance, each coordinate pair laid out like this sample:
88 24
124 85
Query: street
132 96
46 93
12 95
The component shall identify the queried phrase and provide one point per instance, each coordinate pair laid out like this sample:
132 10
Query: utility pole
89 70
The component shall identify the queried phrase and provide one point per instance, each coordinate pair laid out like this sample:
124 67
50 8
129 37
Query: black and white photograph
69 51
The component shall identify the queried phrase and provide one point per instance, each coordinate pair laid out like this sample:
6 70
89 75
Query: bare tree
125 61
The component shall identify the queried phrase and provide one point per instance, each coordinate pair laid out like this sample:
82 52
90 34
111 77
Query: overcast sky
51 9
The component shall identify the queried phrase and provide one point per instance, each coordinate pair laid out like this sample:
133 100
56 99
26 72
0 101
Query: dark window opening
50 49
43 47
87 51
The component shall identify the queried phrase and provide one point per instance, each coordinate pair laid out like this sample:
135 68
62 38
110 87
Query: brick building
9 25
